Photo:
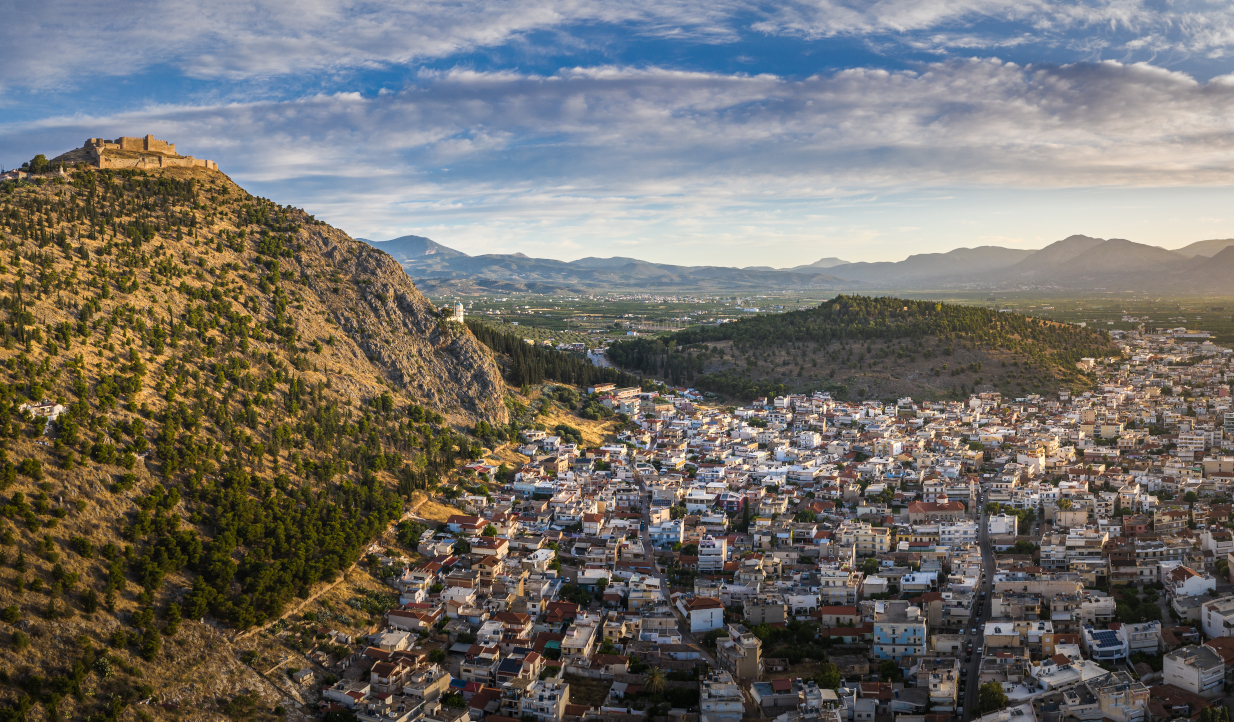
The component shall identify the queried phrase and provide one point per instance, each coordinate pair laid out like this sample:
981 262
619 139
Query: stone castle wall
163 154
148 144
157 161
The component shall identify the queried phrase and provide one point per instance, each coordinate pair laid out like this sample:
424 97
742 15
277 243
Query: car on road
974 631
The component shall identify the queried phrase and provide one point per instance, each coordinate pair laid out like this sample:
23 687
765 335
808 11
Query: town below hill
249 471
985 558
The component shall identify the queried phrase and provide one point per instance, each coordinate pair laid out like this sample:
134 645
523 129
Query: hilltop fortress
139 153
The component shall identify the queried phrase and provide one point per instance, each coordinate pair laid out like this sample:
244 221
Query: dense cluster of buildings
965 542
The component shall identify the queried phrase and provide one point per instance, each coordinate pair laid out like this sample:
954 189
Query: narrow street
683 624
981 613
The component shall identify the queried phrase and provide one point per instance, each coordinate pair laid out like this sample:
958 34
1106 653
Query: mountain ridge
1078 262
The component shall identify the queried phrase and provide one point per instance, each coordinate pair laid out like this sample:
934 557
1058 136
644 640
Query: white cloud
71 41
1084 26
691 160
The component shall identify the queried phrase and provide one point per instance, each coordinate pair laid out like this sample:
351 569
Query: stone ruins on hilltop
140 153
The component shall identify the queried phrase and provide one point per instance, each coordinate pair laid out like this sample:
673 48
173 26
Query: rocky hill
861 347
244 399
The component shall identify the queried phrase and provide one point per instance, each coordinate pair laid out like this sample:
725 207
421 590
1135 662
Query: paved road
980 615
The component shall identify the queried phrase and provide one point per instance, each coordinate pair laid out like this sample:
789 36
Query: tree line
530 364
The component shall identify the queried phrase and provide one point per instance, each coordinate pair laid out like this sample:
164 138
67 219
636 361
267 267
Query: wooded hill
528 364
865 347
250 398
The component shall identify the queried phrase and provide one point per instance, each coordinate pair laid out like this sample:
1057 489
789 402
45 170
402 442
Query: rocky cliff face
397 330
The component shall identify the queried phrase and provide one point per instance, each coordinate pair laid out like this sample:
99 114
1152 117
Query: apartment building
1197 669
868 541
1143 637
1184 581
720 698
766 609
1059 551
1217 618
941 676
1002 525
712 554
956 533
899 629
1121 698
1103 645
544 700
839 587
741 653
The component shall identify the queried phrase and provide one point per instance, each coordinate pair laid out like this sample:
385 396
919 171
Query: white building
489 634
667 533
546 700
1064 671
1104 645
720 698
712 554
1196 669
1217 618
1003 524
1184 581
1143 637
698 500
956 533
704 613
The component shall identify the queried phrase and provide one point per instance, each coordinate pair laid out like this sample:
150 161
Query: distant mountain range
1077 263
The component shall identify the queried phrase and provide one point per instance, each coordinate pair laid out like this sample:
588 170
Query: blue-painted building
899 629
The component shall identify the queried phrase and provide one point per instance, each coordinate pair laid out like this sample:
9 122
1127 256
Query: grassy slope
360 331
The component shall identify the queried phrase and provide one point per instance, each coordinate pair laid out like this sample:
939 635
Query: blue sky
714 132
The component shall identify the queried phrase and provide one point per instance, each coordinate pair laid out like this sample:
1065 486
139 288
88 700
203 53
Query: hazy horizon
803 263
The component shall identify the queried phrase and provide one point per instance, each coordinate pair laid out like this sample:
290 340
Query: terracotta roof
1170 695
1181 574
926 507
851 611
1223 646
703 603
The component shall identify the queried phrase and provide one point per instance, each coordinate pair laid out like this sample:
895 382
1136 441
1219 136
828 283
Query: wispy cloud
70 41
1193 26
608 155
